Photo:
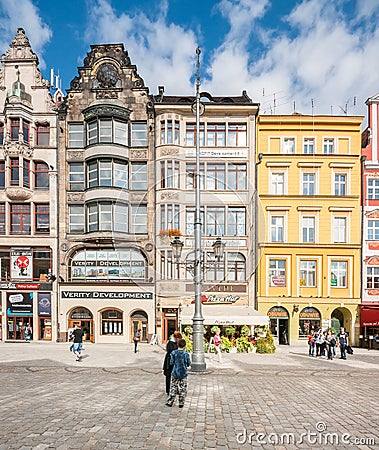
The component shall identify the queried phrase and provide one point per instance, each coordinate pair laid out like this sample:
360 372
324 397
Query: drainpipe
363 163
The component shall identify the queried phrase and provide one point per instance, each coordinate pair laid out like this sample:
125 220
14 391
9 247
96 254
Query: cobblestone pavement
286 400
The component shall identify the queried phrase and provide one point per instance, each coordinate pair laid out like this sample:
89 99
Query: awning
369 316
225 315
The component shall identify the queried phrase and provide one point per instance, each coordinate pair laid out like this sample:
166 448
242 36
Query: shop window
43 135
111 322
42 262
309 319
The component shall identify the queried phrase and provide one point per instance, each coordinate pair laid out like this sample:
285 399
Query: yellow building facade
308 223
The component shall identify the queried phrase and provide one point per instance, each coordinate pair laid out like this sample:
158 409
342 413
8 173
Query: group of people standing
326 342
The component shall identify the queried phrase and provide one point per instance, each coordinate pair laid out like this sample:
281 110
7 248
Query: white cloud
164 52
23 14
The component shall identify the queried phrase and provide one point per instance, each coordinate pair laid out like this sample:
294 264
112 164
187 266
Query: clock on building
107 76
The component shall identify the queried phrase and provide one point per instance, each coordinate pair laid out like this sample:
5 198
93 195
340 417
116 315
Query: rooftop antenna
294 106
312 103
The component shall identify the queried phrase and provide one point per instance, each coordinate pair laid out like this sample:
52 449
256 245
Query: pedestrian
343 342
28 333
78 342
217 344
330 342
180 362
172 345
136 339
311 343
319 340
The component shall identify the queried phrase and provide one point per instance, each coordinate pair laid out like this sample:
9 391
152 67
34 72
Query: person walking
136 339
217 344
343 341
172 345
180 362
77 341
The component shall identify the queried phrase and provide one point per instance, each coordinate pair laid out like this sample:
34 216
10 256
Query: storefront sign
278 312
20 304
215 299
218 287
21 264
278 280
310 313
44 304
20 286
113 295
214 153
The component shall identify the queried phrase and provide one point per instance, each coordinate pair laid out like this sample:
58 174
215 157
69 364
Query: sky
309 56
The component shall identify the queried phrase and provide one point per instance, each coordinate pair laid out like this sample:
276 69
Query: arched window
109 265
309 319
111 322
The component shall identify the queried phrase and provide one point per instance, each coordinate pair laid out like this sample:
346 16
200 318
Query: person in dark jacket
180 360
172 345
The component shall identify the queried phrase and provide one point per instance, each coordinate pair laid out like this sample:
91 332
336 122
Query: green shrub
189 346
214 329
229 331
226 345
245 330
188 330
243 344
266 344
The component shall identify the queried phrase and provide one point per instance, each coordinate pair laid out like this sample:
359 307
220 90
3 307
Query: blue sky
287 54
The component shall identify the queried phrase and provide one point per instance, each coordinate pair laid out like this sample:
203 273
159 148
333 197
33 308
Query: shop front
309 320
279 324
19 314
105 316
369 323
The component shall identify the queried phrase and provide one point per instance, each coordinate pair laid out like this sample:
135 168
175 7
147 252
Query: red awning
369 316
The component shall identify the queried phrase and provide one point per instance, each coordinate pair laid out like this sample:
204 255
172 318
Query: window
43 135
26 130
107 216
76 176
120 218
307 273
169 132
236 217
215 177
277 229
15 129
237 135
76 218
308 184
237 179
20 218
190 220
277 272
170 171
338 275
42 219
372 278
339 184
2 218
139 219
111 322
2 174
277 183
373 189
15 171
216 269
308 146
41 173
373 230
216 135
167 265
1 133
339 230
139 177
139 134
236 267
170 217
26 173
107 130
104 172
75 135
191 176
215 221
191 135
308 229
328 146
288 146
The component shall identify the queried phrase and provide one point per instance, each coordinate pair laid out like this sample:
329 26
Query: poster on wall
44 304
20 304
21 264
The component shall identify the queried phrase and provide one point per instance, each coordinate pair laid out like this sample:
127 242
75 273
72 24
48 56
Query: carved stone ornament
107 75
169 151
20 48
106 94
170 195
75 84
115 51
149 247
18 193
75 197
64 247
106 111
15 148
39 80
75 155
138 154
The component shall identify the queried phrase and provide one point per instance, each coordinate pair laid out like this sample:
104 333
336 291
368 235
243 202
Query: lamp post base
198 366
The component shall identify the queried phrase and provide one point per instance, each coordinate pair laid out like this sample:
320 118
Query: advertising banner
44 304
21 264
20 304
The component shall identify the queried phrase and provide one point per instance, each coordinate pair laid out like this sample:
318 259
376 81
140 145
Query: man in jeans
343 340
77 341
